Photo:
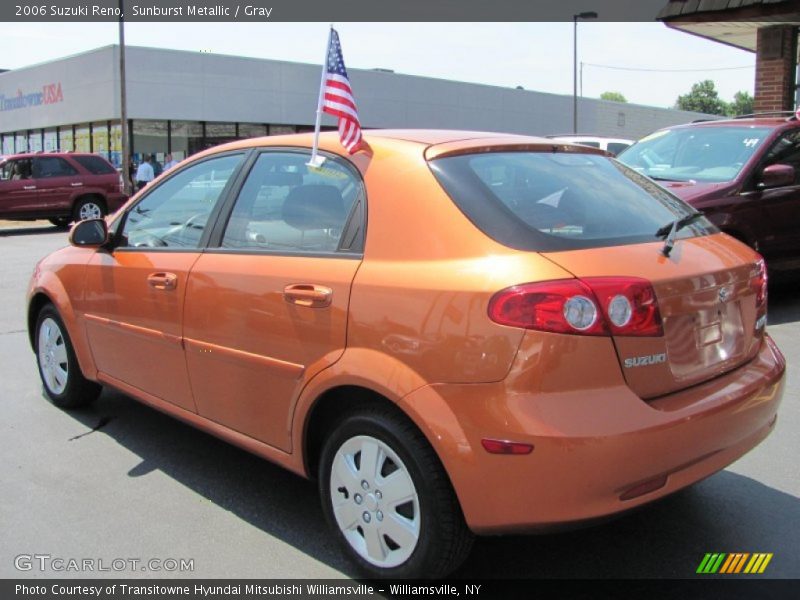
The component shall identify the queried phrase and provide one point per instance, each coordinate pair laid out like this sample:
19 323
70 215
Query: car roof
41 154
589 137
773 122
434 142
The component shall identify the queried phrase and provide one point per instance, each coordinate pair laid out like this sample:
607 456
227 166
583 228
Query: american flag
339 99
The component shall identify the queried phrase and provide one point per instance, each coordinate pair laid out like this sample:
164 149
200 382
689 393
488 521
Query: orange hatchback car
454 332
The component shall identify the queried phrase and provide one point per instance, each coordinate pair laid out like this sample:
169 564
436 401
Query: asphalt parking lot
122 481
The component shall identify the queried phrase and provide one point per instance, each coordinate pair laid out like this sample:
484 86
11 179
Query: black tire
69 389
60 222
443 541
90 207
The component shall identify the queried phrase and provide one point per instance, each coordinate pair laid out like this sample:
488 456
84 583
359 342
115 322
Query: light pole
123 103
575 18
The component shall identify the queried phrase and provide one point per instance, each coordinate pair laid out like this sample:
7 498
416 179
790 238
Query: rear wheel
61 376
89 208
388 498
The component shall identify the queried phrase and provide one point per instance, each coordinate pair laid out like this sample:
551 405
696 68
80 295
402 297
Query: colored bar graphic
741 563
720 562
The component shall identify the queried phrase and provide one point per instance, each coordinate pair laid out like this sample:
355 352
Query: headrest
314 207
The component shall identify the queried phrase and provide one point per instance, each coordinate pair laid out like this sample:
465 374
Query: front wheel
61 376
388 498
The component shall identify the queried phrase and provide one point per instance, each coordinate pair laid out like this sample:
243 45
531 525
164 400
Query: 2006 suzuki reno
454 332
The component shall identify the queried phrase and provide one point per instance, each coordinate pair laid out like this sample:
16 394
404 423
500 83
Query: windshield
560 201
708 154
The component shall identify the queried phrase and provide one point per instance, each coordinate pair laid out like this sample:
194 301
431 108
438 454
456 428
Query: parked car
609 144
744 174
455 333
60 187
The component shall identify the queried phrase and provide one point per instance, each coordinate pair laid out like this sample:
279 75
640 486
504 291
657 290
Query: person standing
144 174
132 174
157 168
169 162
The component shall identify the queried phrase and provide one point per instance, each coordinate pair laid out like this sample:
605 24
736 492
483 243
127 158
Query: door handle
308 294
28 187
77 184
162 281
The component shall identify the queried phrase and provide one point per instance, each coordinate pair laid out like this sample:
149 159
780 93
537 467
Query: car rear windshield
709 154
94 164
560 201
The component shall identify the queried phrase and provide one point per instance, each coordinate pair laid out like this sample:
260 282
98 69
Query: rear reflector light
505 447
625 306
651 485
758 283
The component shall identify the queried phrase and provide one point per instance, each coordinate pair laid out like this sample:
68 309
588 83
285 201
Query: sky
536 56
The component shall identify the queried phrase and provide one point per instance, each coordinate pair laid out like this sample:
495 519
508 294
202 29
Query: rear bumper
596 452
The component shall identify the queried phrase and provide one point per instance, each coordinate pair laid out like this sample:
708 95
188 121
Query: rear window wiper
670 230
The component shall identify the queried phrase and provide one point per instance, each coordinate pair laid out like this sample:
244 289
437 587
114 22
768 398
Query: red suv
744 174
60 187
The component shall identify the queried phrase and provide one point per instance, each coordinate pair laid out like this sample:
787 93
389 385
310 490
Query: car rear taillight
758 283
629 304
625 306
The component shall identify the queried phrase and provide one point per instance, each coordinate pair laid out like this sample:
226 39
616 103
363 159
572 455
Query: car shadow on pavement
782 303
725 513
17 231
668 539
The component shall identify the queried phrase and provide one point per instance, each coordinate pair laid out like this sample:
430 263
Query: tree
742 104
702 98
613 96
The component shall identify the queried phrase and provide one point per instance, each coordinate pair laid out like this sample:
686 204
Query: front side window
175 213
17 169
709 154
786 151
546 201
284 206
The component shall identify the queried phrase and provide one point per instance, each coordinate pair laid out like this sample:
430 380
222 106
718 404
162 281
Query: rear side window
285 207
94 164
52 166
560 201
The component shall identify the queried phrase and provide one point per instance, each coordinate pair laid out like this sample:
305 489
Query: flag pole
316 160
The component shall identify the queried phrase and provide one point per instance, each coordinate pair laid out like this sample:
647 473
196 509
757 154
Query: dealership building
182 102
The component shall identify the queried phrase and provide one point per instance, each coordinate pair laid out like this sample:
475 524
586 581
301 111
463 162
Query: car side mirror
91 233
776 176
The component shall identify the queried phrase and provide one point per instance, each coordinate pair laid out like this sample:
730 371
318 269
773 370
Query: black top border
327 10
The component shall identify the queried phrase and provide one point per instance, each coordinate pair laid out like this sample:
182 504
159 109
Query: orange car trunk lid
707 304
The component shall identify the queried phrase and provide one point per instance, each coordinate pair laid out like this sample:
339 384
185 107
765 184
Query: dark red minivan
743 174
60 187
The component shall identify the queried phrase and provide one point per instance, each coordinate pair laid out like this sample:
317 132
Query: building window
8 143
50 140
67 143
115 149
186 138
100 138
251 130
149 137
283 129
35 141
82 140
